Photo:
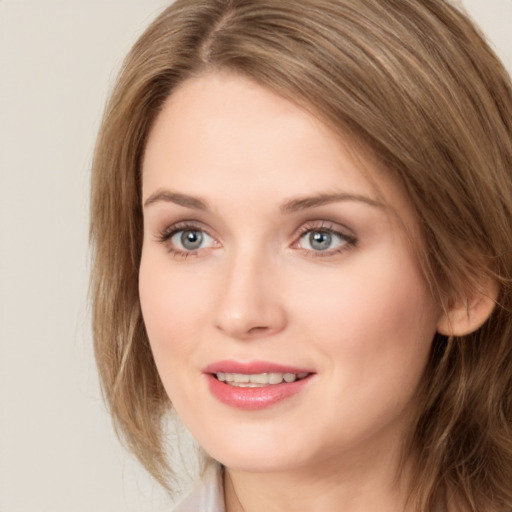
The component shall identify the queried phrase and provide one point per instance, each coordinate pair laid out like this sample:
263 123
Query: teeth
259 379
276 378
264 378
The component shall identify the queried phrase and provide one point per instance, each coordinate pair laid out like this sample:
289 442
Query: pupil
191 239
320 241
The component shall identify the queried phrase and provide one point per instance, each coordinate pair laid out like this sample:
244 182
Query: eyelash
349 241
166 235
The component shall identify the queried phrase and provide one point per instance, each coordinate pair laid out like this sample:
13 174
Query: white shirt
208 495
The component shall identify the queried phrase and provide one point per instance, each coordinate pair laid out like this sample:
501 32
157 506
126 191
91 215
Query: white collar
208 495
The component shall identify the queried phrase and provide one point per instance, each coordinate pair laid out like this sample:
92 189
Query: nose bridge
249 302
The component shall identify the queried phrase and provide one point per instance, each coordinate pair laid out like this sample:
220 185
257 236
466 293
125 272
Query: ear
466 314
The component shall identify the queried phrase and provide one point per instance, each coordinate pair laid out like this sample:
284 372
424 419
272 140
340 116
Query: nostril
257 330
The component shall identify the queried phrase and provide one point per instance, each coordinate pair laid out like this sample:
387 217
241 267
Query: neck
367 483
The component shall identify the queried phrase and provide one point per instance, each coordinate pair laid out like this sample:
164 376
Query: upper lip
252 367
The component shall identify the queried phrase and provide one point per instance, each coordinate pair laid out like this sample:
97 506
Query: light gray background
57 63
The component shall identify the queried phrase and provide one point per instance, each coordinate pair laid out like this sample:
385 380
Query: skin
359 314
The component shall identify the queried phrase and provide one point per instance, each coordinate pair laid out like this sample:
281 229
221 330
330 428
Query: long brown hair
414 81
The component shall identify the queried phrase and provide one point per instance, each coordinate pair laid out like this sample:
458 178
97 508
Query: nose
250 302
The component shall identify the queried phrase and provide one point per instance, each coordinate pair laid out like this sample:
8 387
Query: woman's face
269 256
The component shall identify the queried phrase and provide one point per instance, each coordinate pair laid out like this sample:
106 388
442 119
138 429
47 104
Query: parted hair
418 85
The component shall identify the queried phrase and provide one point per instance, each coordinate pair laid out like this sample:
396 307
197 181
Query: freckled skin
359 314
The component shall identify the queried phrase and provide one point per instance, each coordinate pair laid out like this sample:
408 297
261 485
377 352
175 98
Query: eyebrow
168 196
303 203
290 206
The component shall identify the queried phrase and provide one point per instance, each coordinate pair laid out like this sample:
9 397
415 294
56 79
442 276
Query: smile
257 380
255 385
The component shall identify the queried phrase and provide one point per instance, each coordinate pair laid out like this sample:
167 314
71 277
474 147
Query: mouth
254 385
258 380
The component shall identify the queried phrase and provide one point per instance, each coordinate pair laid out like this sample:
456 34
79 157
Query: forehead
222 135
240 122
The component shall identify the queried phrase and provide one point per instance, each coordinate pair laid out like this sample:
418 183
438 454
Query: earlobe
466 315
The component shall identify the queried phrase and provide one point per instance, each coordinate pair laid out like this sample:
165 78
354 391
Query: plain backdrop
58 59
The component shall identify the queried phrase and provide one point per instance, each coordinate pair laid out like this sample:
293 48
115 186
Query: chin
258 462
256 454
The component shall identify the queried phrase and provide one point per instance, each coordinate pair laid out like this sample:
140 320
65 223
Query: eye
190 240
320 240
186 239
324 240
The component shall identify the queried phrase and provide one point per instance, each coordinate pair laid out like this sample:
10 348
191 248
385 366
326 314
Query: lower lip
253 399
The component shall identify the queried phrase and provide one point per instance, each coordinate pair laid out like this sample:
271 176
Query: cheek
374 329
170 308
376 313
171 315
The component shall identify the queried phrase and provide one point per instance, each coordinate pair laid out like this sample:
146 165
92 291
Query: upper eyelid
324 225
171 229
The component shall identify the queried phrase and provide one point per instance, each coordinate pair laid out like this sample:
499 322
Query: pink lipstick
254 385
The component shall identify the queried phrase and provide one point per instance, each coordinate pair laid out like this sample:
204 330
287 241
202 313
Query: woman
301 230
